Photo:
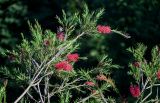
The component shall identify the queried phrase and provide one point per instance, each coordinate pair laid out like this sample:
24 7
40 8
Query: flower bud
89 83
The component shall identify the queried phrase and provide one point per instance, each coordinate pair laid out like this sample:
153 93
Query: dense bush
43 66
137 18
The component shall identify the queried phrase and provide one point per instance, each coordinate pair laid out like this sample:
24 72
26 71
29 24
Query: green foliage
64 97
138 52
11 14
3 93
130 16
88 22
145 73
35 61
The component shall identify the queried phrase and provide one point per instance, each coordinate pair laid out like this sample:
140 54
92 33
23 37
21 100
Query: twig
85 99
46 88
38 68
153 86
157 94
119 32
76 80
143 89
39 91
102 96
63 89
37 82
32 97
144 86
34 61
147 96
69 85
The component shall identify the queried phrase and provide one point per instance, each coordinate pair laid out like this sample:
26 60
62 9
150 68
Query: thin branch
157 94
36 63
32 97
85 99
147 96
62 88
154 85
102 96
39 91
122 34
143 89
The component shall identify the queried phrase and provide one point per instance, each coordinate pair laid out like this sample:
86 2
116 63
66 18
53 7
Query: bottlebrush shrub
44 65
146 75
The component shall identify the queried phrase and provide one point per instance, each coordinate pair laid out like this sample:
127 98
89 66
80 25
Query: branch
39 91
147 96
102 96
85 99
122 34
32 97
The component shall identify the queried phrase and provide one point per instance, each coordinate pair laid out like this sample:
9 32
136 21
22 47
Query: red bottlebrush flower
60 65
89 83
73 57
60 36
158 74
104 29
101 77
63 65
46 42
67 67
135 90
136 64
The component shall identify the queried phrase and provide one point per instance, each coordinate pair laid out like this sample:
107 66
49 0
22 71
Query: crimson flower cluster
65 65
135 90
104 29
73 57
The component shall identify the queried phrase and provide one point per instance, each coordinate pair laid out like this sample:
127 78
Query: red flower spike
101 77
67 67
89 83
63 65
73 57
60 36
60 65
104 29
135 90
158 75
136 64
